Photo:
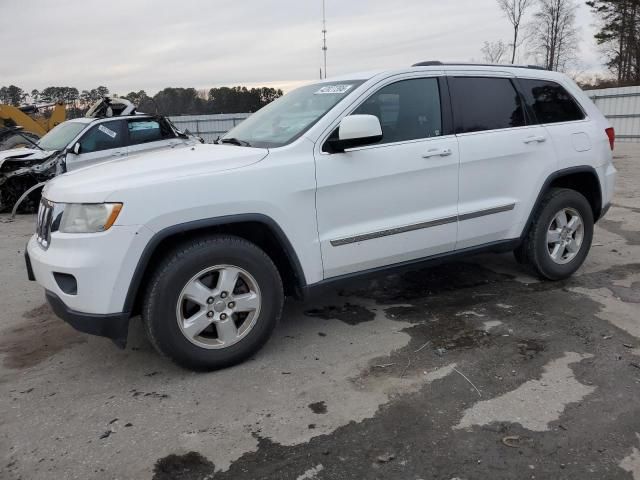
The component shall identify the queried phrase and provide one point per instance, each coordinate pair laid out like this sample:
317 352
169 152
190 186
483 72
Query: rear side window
550 102
481 104
147 130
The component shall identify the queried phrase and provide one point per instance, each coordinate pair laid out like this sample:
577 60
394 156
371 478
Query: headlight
88 217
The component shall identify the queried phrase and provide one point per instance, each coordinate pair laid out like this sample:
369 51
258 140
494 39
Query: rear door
100 143
504 158
147 134
572 134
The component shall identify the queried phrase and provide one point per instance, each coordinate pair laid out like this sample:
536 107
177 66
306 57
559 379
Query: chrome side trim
393 231
488 211
419 226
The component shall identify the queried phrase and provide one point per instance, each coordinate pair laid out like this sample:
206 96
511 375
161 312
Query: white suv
349 176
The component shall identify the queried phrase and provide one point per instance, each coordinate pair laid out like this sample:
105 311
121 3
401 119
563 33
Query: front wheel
213 302
560 236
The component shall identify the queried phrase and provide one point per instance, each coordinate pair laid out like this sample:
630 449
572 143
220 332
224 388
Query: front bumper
114 325
102 265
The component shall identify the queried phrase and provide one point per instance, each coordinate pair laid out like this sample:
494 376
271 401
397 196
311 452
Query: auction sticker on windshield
334 89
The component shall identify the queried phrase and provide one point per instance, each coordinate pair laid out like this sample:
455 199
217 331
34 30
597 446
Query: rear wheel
560 236
213 303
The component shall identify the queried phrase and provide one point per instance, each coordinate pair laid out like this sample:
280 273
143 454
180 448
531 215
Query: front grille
43 224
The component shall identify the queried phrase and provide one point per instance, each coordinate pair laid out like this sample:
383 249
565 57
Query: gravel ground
470 370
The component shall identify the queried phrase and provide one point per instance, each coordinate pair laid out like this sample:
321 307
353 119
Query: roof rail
428 63
432 63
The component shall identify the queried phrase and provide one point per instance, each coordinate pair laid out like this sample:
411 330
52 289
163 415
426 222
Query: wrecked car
112 129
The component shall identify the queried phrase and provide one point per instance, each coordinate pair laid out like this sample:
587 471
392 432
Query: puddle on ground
632 237
318 407
41 336
190 466
433 281
348 313
530 348
627 294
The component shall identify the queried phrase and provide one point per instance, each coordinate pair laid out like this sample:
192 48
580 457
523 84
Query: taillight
611 133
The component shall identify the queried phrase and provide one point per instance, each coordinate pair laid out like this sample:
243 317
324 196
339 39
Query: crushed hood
97 183
24 154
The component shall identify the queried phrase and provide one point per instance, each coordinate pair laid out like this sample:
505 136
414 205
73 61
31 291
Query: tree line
619 37
169 101
547 30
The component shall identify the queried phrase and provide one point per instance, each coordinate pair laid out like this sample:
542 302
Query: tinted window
147 130
407 110
103 136
550 102
485 104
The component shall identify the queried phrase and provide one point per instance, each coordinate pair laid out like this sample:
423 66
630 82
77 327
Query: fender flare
158 237
547 183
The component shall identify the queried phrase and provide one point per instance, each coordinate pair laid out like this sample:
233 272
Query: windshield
285 119
61 135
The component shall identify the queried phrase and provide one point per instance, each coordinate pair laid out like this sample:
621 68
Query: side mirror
356 131
76 148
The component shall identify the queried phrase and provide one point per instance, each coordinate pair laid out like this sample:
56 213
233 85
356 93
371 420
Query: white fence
209 127
621 106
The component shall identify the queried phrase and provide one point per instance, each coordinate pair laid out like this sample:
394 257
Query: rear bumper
113 325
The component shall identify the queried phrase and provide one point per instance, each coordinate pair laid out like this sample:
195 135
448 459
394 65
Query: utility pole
324 38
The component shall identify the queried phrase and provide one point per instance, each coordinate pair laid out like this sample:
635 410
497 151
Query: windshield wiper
235 141
17 131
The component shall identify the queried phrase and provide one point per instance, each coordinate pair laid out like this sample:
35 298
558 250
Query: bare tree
493 52
554 36
514 10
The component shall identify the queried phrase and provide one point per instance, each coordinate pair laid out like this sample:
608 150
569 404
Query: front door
396 200
102 142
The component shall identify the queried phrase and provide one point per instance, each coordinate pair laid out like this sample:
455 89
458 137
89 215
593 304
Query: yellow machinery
30 121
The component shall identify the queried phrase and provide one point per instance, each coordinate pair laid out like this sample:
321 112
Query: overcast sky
151 44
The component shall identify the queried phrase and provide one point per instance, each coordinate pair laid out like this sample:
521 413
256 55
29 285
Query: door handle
535 139
118 154
438 152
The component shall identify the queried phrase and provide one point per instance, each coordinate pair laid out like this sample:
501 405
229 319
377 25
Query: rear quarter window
550 102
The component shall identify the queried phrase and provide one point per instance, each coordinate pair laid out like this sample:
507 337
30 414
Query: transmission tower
324 38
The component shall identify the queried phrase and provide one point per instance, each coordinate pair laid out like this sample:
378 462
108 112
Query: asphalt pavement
469 370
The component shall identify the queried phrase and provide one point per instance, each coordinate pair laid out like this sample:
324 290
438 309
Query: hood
24 154
96 183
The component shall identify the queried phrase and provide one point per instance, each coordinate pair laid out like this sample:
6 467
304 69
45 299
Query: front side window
550 102
484 103
104 136
407 110
288 117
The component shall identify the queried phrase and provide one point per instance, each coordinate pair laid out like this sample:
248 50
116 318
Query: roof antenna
324 39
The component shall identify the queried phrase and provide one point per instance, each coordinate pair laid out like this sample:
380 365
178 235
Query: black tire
535 250
159 313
